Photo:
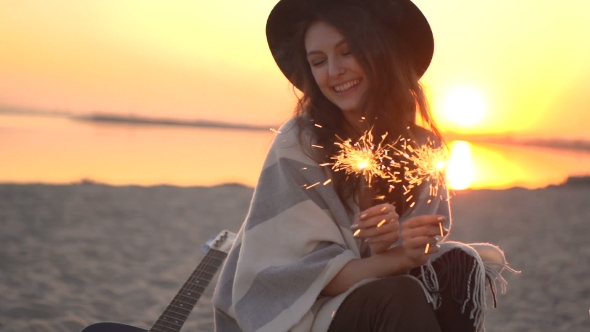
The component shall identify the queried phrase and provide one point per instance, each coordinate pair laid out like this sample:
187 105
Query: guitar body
112 327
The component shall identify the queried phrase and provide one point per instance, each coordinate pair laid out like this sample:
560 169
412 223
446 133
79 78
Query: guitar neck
187 297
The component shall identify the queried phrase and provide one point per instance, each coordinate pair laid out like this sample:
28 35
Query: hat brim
401 17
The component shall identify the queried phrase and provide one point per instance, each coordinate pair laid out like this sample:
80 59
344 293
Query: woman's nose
335 68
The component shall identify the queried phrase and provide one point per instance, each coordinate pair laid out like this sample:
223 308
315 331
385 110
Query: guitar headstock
222 242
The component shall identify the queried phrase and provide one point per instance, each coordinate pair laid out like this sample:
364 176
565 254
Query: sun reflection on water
460 170
496 166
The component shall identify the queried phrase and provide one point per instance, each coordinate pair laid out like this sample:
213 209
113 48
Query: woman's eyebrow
343 41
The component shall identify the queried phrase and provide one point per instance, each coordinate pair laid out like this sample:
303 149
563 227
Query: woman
320 250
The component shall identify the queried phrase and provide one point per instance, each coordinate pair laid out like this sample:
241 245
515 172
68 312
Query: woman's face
337 72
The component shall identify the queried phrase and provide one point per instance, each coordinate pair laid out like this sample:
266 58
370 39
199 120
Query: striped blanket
294 240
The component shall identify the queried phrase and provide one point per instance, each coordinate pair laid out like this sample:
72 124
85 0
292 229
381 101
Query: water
60 150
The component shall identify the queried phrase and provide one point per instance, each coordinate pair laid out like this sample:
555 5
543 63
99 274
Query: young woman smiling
310 256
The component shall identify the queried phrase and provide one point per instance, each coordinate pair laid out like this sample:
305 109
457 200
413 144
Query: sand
72 255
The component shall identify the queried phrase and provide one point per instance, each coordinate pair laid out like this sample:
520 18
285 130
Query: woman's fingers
420 236
377 211
387 237
376 227
433 220
431 249
428 230
377 221
418 248
376 216
386 227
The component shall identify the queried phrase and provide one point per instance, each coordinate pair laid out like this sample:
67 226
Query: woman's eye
317 63
346 53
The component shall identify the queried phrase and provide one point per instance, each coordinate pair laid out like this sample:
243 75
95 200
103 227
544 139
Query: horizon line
132 119
105 117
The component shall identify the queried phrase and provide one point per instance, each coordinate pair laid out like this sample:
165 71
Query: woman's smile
346 86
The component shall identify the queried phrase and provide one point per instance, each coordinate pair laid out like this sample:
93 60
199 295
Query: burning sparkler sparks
402 162
426 163
363 157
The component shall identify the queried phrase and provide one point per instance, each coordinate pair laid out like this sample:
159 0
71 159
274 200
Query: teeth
344 87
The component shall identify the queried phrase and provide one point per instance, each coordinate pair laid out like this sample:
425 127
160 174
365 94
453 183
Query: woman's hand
418 232
379 226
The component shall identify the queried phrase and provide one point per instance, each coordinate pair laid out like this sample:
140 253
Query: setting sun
464 106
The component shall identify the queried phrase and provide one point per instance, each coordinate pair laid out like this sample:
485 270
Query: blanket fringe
459 267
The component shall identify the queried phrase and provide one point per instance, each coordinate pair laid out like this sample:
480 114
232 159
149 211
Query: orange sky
526 59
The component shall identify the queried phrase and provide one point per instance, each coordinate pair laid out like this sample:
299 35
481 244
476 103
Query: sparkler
421 164
425 163
364 158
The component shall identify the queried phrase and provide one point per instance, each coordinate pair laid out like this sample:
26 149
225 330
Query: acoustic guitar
172 319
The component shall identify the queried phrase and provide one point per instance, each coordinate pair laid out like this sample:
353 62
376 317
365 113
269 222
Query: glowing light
420 163
464 106
460 172
311 186
363 157
424 163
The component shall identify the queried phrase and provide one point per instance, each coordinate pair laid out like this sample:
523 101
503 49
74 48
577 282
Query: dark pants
398 303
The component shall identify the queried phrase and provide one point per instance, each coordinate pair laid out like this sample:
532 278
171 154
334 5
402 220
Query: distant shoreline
571 181
558 144
99 117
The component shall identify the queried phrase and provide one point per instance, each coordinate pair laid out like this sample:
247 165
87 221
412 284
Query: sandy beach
72 255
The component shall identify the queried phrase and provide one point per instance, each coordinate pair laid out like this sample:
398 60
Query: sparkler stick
365 202
366 195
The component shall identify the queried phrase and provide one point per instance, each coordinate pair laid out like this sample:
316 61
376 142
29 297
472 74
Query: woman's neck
356 124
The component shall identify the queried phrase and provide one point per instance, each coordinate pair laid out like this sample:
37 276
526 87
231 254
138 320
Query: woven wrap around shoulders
294 240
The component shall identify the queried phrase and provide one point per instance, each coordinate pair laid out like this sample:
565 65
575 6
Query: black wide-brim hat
400 17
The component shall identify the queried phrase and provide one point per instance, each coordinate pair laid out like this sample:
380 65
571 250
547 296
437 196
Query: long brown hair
390 105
